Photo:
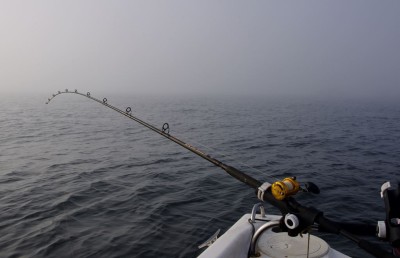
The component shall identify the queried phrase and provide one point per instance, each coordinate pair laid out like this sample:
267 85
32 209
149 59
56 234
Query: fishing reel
289 186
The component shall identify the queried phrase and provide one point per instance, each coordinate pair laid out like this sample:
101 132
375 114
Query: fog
335 48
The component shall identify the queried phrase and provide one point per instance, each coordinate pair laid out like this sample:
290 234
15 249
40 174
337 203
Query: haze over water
342 49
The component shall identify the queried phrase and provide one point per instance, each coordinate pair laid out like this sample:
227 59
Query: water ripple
86 182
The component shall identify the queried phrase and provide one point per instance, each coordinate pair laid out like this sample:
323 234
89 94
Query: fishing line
308 245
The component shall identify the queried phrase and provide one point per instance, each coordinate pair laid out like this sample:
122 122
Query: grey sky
337 47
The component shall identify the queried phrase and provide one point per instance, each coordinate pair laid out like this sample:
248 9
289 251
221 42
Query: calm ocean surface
80 180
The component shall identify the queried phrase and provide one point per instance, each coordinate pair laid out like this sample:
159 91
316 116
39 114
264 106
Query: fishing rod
296 218
164 131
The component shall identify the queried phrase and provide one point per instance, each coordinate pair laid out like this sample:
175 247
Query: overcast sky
337 47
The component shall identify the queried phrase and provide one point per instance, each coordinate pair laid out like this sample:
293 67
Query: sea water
80 180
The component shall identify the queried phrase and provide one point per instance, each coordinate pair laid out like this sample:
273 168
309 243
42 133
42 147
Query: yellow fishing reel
287 187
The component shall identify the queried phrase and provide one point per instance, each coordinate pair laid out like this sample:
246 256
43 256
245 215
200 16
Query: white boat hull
235 243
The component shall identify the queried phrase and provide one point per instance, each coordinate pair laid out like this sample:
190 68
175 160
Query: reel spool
287 187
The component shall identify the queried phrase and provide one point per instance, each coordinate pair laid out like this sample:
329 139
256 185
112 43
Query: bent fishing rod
279 194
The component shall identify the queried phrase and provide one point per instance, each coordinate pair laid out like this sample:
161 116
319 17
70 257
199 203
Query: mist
331 49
